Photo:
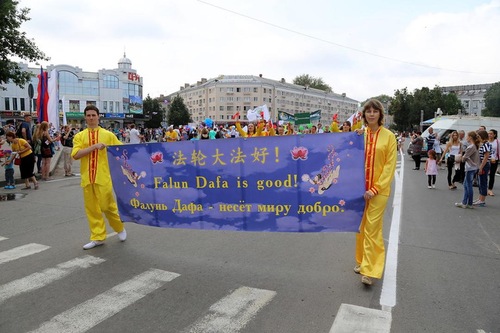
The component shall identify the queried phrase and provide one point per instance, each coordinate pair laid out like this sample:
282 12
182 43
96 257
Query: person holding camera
67 136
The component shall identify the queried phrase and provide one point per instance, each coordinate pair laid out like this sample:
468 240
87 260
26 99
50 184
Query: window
7 103
230 108
111 107
255 89
14 104
117 106
230 89
222 99
238 89
111 82
255 99
23 106
230 99
105 106
74 106
246 90
221 108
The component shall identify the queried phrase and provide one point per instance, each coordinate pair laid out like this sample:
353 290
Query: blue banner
299 183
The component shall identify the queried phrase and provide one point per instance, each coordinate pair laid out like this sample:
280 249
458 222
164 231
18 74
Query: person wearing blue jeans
484 168
471 160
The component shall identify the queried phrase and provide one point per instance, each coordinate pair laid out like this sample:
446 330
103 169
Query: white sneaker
92 244
429 186
122 235
433 186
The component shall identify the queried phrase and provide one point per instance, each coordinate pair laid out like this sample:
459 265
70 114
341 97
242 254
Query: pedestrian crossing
229 314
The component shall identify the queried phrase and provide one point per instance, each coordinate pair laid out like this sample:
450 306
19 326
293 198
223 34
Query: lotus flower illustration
299 153
157 157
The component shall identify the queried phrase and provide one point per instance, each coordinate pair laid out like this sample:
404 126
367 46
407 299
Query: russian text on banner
308 183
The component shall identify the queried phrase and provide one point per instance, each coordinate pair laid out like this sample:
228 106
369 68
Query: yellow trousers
370 250
98 200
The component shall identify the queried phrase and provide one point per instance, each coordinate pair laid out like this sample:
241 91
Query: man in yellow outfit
380 165
89 146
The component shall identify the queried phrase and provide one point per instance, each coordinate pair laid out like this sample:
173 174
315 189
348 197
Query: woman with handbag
453 149
494 157
23 148
42 134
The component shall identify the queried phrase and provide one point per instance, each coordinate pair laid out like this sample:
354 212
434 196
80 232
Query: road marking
389 285
45 277
93 311
21 251
2 238
352 318
233 312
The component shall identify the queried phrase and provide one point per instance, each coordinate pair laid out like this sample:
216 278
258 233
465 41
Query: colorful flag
42 99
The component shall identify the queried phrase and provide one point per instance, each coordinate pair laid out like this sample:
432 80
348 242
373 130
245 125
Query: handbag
46 151
17 161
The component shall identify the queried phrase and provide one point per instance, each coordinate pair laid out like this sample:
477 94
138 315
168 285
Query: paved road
163 280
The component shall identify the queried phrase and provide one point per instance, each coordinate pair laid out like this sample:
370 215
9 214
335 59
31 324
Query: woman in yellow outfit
380 165
252 130
89 146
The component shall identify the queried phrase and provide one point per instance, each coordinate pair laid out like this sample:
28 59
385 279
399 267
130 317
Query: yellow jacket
380 160
94 167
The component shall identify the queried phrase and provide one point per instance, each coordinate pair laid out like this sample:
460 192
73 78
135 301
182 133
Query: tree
407 107
153 109
312 82
15 43
492 101
178 113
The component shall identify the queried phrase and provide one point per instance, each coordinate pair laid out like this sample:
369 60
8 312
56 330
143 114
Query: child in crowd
9 170
431 169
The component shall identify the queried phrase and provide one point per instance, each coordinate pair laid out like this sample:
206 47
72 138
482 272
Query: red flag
335 117
236 115
42 99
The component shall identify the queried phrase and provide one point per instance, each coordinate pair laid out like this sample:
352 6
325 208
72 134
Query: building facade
116 92
221 98
471 96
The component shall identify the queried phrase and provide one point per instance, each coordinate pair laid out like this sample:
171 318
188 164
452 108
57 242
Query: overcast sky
361 48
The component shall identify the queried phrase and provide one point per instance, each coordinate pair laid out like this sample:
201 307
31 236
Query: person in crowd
43 137
438 150
380 165
24 131
417 145
67 136
281 130
23 149
470 158
204 134
320 128
134 135
171 135
431 169
8 165
89 146
463 141
494 157
252 130
401 141
431 139
453 149
346 126
484 168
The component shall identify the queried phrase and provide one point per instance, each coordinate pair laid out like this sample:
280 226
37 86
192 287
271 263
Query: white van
447 124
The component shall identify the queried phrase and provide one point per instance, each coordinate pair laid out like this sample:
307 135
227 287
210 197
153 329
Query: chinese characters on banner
311 183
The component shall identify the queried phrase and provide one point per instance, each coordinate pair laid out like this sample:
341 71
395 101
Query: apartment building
471 96
221 98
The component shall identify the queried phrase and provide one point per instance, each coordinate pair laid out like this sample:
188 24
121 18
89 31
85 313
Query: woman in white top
453 148
494 157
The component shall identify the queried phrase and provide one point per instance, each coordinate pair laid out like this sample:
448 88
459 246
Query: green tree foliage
15 44
406 107
492 101
178 113
154 111
312 82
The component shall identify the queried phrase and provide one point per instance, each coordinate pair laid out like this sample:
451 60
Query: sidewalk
17 173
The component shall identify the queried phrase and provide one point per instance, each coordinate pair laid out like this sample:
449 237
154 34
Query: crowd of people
469 158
